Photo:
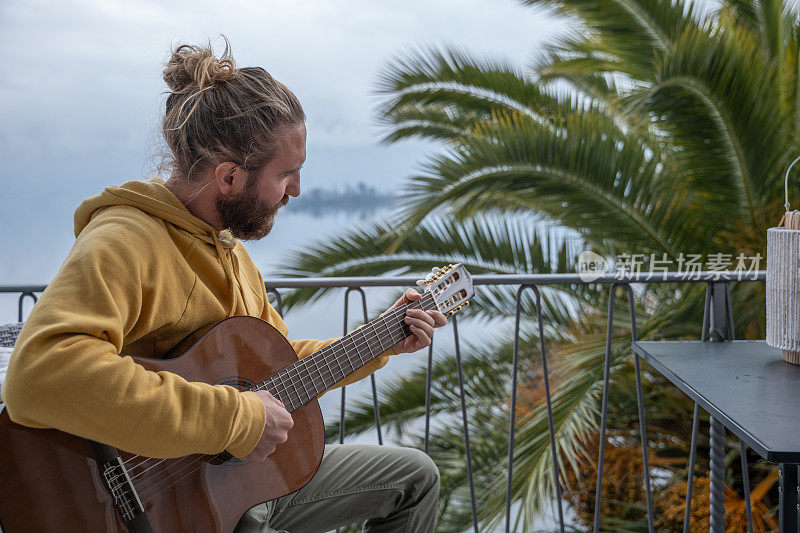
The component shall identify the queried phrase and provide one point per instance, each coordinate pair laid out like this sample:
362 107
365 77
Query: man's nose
293 187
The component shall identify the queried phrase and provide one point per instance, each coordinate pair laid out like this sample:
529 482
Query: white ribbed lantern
783 283
783 291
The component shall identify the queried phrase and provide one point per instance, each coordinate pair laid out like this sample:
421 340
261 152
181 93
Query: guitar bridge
120 486
122 490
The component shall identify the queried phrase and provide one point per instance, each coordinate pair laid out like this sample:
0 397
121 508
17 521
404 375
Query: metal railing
717 325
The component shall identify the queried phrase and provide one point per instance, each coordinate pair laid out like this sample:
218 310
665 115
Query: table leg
717 476
787 489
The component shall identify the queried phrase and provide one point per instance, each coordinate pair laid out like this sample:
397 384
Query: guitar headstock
450 286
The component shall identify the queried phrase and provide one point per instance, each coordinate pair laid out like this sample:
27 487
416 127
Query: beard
248 217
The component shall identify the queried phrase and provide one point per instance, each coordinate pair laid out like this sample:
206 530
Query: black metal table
747 387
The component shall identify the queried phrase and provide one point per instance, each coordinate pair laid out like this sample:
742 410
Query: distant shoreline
361 199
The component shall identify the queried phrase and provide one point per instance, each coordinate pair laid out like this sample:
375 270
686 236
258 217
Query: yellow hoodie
143 274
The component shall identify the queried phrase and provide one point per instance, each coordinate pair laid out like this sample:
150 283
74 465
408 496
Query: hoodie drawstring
228 271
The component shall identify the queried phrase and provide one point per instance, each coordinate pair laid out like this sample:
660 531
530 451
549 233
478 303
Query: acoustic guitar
54 481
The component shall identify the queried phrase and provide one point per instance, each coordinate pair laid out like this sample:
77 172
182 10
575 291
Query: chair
8 336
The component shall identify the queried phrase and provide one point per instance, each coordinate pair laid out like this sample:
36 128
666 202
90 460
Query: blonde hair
216 112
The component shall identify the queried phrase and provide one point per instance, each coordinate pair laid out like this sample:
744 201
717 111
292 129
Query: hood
155 199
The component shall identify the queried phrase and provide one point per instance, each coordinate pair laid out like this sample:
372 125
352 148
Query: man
154 261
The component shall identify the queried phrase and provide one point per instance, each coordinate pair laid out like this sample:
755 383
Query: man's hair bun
194 68
216 112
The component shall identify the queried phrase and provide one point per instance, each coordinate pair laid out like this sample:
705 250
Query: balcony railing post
642 420
687 514
375 406
21 299
344 388
513 412
466 427
746 484
687 511
428 377
640 407
278 300
598 496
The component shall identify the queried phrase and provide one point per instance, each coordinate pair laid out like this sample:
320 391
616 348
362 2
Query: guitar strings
397 327
201 458
307 360
368 335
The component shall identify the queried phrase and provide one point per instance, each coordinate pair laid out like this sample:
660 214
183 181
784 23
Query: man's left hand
421 323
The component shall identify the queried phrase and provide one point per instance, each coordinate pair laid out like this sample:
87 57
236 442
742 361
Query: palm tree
650 127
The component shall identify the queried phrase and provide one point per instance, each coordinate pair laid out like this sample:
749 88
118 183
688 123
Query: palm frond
490 242
451 80
580 60
769 20
586 175
634 31
430 121
745 13
717 99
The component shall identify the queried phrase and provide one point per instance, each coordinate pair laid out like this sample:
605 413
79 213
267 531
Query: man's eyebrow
294 169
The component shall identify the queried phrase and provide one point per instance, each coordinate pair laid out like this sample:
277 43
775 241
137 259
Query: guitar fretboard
309 377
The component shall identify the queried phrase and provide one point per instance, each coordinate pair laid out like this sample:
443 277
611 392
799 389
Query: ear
230 178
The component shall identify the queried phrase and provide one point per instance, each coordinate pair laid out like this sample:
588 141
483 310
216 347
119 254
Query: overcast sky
81 93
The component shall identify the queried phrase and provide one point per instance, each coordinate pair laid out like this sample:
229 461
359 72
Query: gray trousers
385 487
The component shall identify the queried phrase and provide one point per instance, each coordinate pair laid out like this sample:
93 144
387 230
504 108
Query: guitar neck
309 377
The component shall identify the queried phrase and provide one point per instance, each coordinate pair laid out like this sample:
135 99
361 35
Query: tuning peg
436 270
430 277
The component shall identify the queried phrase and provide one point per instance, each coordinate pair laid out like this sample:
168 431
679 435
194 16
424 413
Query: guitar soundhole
236 382
241 384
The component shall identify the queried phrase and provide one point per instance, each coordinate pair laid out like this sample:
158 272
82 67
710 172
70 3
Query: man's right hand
276 430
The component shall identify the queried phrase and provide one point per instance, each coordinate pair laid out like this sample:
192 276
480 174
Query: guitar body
50 481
